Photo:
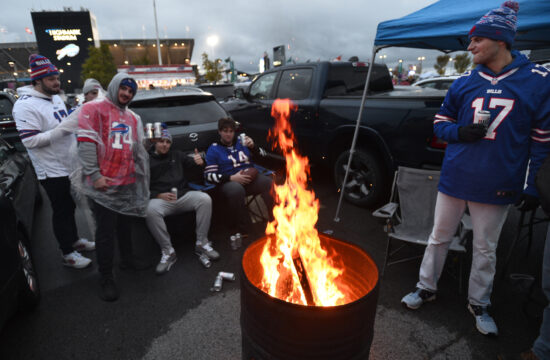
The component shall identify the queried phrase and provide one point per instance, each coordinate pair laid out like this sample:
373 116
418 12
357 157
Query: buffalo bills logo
121 129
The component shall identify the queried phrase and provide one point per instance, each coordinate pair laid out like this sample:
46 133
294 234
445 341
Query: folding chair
409 216
256 207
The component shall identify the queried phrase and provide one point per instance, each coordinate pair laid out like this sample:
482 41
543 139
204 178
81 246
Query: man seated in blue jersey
171 194
485 162
226 166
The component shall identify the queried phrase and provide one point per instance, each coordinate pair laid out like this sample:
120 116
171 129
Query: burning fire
295 266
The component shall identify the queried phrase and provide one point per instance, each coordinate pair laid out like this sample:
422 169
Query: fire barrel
276 329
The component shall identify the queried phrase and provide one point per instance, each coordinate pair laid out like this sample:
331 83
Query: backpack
542 181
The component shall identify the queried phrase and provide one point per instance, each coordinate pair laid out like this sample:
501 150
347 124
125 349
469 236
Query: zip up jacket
493 169
37 116
168 171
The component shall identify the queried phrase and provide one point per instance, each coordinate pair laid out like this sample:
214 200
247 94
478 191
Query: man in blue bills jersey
485 163
228 165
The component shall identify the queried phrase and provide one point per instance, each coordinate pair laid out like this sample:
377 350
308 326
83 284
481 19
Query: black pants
64 225
111 225
234 193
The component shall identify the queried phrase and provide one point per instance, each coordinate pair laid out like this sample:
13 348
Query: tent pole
375 49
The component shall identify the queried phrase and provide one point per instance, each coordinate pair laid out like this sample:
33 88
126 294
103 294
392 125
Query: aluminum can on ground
233 242
148 131
483 117
217 283
158 130
227 275
239 240
205 261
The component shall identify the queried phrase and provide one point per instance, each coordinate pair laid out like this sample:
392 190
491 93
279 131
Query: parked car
440 83
190 114
222 92
396 127
18 194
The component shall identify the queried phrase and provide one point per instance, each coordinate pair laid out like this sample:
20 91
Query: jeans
234 195
63 206
111 225
541 347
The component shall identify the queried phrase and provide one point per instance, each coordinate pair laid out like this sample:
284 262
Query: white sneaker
485 324
84 245
207 250
75 260
166 262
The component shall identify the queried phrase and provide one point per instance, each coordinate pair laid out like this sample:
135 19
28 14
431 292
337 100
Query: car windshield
188 110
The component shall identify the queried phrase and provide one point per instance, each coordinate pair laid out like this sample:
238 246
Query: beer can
205 261
233 242
241 136
158 130
148 131
239 240
174 191
217 283
227 275
483 117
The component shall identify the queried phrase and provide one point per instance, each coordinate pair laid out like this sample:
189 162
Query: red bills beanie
41 67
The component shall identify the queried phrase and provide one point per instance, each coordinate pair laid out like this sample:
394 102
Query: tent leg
375 49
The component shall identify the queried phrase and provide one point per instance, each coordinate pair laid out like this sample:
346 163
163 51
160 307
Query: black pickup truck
396 125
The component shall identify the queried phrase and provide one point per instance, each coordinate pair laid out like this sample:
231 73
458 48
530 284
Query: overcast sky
309 29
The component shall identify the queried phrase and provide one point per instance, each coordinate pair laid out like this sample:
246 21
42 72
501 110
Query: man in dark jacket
170 194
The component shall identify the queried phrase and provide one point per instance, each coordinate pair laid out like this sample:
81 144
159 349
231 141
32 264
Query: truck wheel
29 291
366 184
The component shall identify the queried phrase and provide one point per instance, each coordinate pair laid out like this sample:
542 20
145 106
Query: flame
292 235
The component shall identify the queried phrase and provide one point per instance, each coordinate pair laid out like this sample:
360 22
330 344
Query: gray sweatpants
196 201
487 222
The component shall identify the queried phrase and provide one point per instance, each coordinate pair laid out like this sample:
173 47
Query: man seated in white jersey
485 161
38 113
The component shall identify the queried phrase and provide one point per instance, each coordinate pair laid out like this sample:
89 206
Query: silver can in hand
148 131
483 117
158 130
174 191
242 136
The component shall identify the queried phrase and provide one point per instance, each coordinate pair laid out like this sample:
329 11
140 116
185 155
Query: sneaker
484 322
75 260
415 299
84 245
166 262
109 291
207 250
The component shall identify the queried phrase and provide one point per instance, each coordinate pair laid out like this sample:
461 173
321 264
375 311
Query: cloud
313 30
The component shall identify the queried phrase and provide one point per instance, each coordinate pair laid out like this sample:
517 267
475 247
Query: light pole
421 58
383 58
157 32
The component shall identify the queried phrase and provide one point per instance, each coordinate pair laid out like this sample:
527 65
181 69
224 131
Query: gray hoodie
114 85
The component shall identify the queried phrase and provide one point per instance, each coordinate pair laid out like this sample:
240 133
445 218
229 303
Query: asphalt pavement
176 316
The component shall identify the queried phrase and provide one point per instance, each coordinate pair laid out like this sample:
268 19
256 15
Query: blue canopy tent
444 26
